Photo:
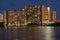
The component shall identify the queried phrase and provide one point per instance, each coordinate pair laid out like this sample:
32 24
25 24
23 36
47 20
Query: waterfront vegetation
1 24
55 24
33 24
36 24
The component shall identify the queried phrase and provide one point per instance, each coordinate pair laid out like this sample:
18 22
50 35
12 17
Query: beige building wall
11 17
49 14
53 16
5 17
1 17
45 14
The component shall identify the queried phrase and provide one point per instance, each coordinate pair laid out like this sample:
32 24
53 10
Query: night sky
19 4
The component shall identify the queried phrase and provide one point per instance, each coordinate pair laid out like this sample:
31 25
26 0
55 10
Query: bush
1 24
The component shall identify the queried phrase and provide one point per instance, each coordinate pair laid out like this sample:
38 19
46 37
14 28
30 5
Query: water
30 33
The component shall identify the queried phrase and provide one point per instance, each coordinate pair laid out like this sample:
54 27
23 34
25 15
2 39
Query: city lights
48 8
29 14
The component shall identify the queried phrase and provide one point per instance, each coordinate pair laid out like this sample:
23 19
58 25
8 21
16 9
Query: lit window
16 16
23 13
12 24
15 22
38 13
10 14
5 23
35 15
35 6
23 9
9 24
30 10
18 24
32 19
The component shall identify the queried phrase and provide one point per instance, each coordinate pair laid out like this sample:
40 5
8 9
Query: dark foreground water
30 33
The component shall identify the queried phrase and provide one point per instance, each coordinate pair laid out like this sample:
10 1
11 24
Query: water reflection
48 33
30 33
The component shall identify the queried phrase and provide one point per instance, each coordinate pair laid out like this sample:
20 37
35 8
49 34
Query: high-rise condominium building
33 13
38 13
45 14
11 18
29 14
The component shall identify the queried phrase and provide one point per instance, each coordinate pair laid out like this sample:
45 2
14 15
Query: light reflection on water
30 33
48 33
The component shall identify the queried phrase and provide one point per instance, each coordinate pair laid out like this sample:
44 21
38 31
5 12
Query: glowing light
16 16
48 8
15 22
9 24
35 6
49 32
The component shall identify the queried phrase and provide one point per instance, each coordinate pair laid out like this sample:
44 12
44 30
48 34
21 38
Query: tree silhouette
1 24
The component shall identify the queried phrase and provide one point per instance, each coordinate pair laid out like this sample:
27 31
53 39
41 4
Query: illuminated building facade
5 16
38 14
11 18
22 18
45 14
33 14
53 16
1 17
29 14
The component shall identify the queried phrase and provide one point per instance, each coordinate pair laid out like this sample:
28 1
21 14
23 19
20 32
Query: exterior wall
5 17
1 17
45 15
32 14
54 15
29 14
11 18
49 14
22 18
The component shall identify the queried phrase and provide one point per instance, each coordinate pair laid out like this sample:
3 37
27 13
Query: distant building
1 17
57 21
53 16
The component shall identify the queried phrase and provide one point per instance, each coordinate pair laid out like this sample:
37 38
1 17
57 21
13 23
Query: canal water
30 33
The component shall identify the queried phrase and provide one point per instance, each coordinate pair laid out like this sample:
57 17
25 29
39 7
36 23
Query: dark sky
19 4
